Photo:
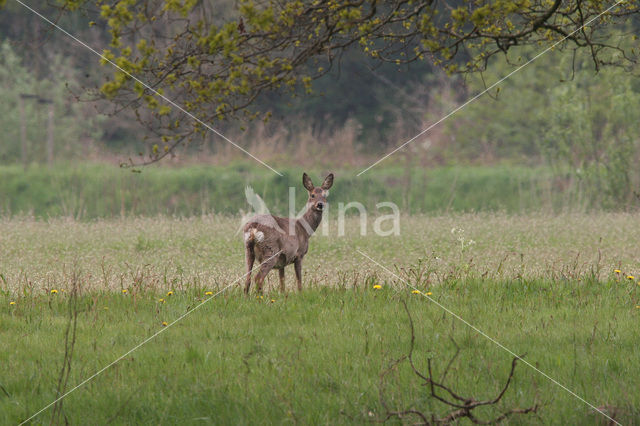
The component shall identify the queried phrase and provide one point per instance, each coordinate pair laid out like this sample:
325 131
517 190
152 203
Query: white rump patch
257 235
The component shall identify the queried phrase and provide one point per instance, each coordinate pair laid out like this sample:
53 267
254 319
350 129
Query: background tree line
557 111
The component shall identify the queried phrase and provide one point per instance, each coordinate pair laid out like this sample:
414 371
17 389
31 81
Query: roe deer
266 235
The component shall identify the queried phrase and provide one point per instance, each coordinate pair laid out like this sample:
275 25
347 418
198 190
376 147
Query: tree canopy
215 60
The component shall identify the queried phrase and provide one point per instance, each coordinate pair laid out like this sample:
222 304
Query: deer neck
311 218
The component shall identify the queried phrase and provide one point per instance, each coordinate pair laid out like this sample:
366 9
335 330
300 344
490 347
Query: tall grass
206 252
87 191
542 285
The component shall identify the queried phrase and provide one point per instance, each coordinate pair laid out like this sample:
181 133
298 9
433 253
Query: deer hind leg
250 257
264 270
281 271
297 264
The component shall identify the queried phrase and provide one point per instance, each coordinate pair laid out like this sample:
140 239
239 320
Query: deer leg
281 270
262 273
297 264
249 257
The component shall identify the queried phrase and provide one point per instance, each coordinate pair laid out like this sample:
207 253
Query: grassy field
542 285
88 191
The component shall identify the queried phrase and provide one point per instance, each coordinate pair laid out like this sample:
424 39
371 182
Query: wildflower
164 323
416 292
12 303
273 300
208 293
377 287
170 293
637 306
106 308
161 300
124 291
428 293
54 291
617 271
630 277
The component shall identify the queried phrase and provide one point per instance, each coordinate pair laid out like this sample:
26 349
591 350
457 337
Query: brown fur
279 241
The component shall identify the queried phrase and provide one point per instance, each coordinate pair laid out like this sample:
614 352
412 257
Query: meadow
86 191
561 289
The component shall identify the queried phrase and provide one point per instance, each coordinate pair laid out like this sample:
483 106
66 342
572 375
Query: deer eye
313 195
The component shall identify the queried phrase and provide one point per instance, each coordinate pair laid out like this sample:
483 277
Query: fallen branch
462 407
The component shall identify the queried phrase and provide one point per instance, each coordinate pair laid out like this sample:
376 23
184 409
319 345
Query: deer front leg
249 257
297 264
281 270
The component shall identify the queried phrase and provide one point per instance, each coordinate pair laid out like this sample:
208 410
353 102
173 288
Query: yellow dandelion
428 293
12 303
125 291
161 300
208 293
630 277
637 306
164 323
54 291
416 292
106 308
377 287
273 300
170 293
617 271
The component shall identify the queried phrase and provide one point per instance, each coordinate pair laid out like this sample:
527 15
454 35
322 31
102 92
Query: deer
276 242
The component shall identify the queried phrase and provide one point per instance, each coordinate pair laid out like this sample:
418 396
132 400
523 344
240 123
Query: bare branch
463 406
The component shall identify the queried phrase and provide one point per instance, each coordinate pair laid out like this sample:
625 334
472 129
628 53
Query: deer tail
252 236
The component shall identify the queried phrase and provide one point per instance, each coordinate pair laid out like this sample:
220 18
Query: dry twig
461 407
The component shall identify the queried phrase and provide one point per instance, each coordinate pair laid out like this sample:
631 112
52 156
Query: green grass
88 191
317 357
540 285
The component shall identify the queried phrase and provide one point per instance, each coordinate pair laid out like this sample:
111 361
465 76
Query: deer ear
306 181
328 182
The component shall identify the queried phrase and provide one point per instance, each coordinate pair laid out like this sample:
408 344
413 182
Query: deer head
317 195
